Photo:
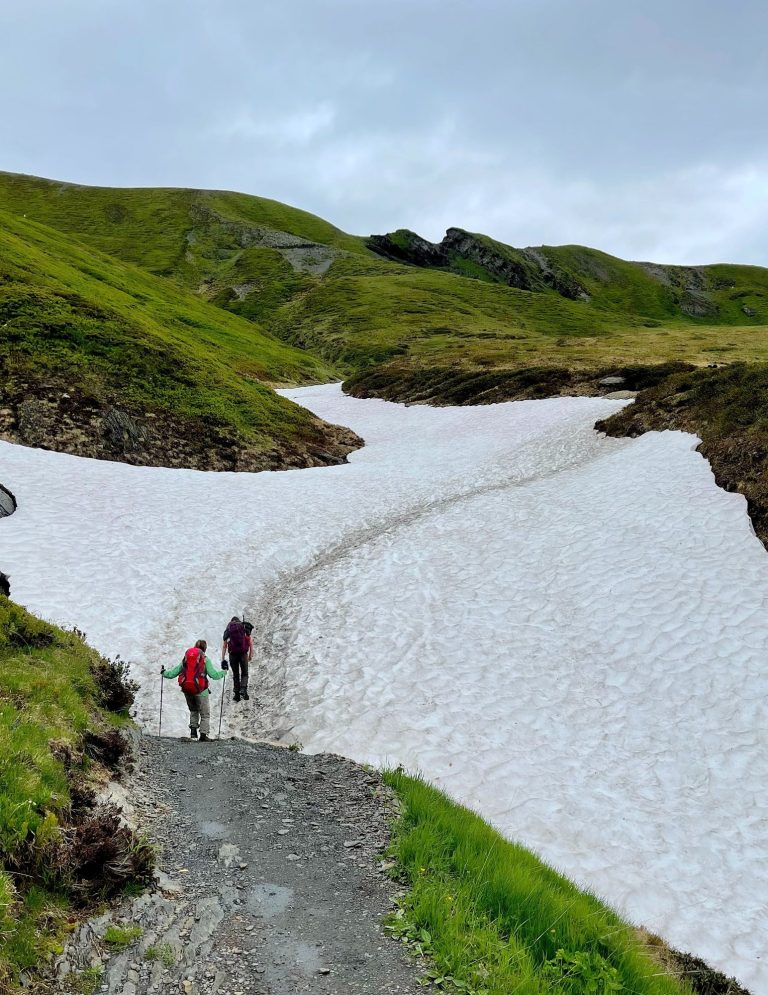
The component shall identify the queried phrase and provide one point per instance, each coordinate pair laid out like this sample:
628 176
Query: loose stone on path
233 910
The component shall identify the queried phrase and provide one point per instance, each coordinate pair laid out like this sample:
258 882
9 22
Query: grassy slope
363 313
493 916
170 232
366 310
138 341
49 700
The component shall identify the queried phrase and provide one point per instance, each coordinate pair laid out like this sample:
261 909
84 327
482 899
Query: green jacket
210 670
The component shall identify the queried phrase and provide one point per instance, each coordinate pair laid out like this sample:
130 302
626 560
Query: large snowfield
567 633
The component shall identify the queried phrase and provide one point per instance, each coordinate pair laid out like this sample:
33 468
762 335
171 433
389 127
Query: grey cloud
637 129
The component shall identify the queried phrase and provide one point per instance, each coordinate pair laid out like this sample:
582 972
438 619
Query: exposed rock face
537 269
690 286
450 385
123 434
7 502
472 255
404 246
7 507
229 237
526 269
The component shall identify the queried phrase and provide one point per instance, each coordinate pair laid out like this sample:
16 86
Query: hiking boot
204 738
192 733
244 695
235 696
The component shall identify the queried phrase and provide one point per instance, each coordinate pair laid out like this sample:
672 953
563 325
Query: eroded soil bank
63 418
448 385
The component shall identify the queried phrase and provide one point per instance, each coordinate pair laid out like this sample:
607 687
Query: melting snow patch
567 633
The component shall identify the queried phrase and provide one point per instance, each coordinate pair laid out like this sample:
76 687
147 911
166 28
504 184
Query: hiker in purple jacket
237 639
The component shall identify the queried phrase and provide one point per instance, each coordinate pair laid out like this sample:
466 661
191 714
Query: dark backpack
193 678
237 637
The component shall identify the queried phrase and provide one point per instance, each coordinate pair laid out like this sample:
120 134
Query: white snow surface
565 632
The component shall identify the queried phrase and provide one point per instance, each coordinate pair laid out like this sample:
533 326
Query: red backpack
193 678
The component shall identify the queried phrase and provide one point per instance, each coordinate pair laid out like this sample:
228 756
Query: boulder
615 381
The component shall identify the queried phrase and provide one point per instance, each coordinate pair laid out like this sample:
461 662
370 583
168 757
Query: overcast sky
635 127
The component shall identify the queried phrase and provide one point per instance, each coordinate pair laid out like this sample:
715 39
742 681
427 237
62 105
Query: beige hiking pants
199 706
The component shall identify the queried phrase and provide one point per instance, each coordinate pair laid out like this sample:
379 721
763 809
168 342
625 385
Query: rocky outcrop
450 385
690 287
526 269
7 502
479 257
7 507
227 238
404 246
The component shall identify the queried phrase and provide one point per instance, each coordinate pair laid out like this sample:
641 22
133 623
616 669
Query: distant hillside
469 302
100 358
732 295
465 320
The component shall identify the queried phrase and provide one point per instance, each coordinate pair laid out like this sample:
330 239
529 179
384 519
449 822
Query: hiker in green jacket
193 673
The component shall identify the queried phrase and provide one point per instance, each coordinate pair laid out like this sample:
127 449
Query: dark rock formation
404 246
7 502
449 385
123 435
481 258
7 507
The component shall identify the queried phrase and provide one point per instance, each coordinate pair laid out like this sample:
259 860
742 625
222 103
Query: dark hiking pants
239 664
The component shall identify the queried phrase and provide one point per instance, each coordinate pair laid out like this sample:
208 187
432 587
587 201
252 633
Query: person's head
201 644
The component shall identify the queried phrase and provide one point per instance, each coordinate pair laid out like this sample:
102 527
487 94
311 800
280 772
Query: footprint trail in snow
565 632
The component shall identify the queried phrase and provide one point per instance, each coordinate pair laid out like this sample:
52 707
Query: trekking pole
160 723
221 710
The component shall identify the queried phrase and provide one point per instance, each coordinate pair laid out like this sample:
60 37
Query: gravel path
271 880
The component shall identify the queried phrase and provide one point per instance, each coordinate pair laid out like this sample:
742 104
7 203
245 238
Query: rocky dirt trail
271 880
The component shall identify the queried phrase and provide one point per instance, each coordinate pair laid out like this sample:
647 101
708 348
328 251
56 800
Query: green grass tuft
85 982
163 952
120 937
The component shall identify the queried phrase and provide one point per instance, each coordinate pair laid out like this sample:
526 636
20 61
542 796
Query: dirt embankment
59 417
445 385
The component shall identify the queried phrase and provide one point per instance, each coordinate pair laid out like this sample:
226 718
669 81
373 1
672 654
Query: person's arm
250 648
212 672
173 672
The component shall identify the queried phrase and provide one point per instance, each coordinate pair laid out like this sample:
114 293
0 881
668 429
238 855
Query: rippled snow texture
567 633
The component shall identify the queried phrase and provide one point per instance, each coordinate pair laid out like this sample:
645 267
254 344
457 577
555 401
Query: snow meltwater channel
567 633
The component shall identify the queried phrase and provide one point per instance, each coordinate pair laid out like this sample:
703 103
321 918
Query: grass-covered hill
100 358
179 308
468 302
